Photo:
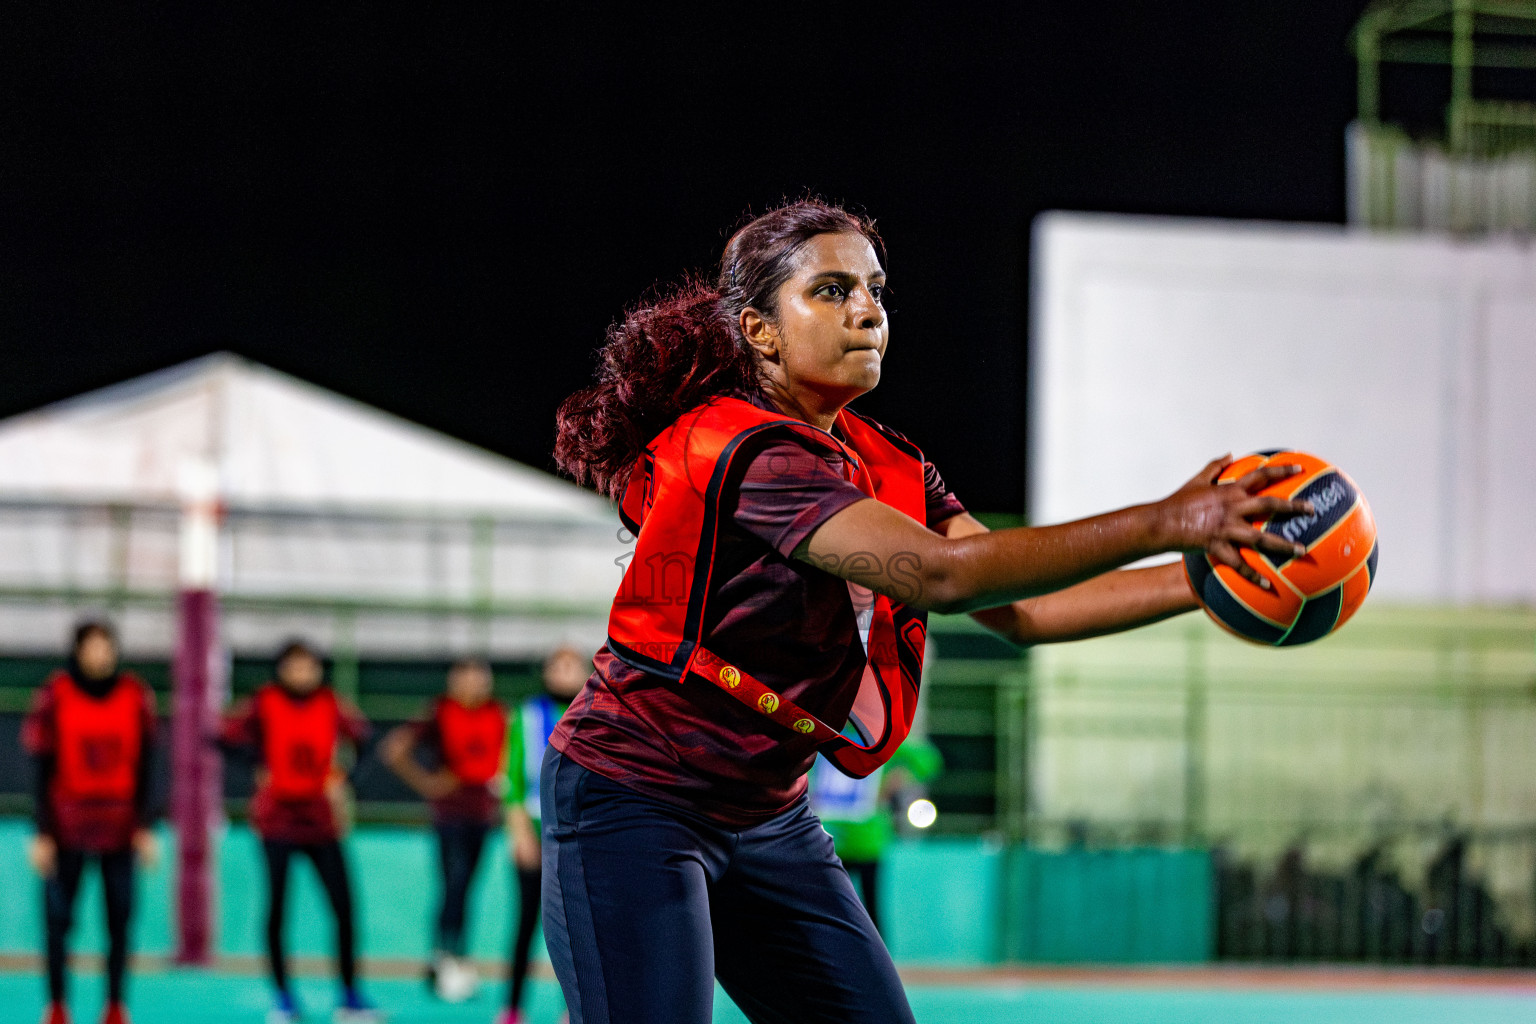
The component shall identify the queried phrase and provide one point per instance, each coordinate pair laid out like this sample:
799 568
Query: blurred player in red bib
465 733
295 726
91 731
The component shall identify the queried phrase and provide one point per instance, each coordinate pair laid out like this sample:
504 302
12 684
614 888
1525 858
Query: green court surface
208 998
944 901
953 931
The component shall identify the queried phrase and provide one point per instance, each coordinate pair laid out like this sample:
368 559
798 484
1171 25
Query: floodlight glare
922 813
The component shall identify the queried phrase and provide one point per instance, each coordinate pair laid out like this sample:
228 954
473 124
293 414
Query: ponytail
658 362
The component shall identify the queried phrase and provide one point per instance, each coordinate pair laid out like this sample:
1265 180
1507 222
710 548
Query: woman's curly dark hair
672 354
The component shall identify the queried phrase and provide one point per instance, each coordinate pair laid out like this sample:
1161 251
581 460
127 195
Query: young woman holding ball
787 553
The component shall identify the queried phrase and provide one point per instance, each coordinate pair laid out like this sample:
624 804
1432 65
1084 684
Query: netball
1309 595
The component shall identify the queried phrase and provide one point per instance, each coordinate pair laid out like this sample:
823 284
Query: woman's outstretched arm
1111 602
874 545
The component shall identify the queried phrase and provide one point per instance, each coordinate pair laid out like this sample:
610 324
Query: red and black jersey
296 738
472 744
96 741
473 741
726 499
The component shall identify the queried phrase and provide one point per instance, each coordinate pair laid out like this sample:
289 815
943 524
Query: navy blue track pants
459 845
646 904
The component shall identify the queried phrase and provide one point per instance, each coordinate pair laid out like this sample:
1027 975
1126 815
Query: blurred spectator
465 732
565 671
91 733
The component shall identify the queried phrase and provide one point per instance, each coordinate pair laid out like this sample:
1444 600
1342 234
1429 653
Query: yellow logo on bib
768 703
730 677
805 725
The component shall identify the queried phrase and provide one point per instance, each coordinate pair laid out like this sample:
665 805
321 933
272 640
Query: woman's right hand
43 855
1204 515
437 785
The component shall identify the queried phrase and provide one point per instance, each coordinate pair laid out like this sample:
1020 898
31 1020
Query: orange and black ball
1313 594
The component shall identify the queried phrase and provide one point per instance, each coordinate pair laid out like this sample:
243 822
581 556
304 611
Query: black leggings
529 894
59 910
332 869
648 906
459 845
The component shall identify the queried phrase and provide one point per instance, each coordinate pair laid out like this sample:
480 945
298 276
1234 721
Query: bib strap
705 666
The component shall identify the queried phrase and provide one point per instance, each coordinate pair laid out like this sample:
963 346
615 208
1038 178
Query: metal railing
1409 731
1481 176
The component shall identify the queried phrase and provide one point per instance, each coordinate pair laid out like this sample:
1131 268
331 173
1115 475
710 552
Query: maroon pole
196 783
198 685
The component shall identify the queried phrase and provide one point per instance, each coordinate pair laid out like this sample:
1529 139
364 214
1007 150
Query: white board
1410 361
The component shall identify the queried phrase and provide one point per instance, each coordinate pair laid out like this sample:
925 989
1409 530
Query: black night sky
437 211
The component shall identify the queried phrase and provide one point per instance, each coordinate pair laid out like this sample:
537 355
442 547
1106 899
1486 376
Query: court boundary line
1243 976
1224 976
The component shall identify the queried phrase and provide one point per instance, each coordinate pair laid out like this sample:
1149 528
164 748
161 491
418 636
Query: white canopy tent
341 523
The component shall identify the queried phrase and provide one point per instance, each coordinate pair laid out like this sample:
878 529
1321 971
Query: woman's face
565 673
96 655
300 672
469 685
831 329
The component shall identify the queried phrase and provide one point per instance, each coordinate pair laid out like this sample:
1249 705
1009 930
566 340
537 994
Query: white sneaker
456 980
356 1015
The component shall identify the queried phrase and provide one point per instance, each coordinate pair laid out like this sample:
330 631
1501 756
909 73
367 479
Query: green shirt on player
528 727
